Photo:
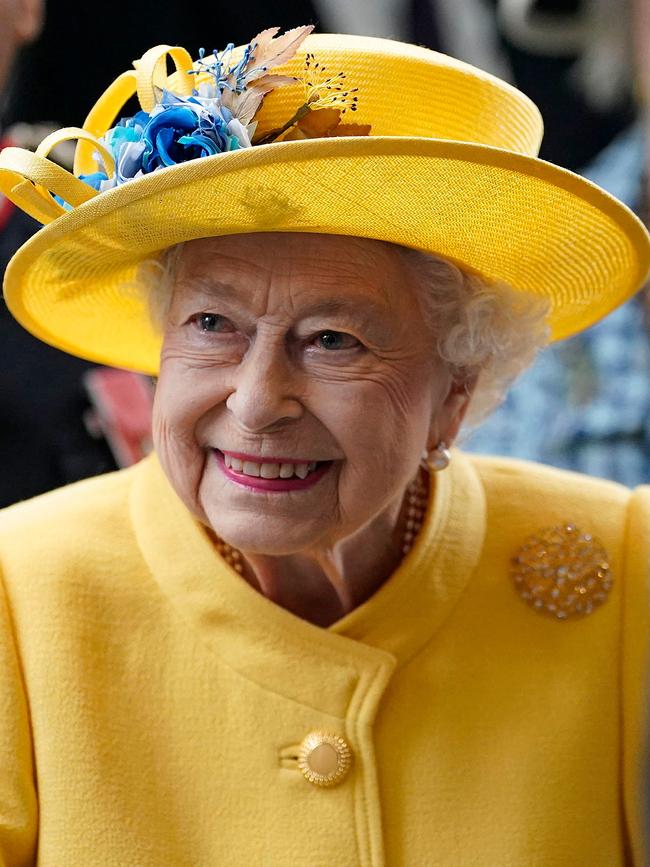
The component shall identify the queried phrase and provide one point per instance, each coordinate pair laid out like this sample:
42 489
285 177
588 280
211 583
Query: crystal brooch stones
562 572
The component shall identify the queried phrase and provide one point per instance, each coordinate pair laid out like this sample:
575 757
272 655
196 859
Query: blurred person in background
585 404
642 54
43 439
90 56
573 58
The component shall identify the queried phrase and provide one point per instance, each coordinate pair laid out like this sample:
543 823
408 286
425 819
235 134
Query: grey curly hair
481 330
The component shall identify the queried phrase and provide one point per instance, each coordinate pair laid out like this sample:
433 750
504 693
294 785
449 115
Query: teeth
270 471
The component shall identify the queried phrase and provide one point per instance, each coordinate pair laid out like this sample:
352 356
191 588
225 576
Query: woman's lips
278 484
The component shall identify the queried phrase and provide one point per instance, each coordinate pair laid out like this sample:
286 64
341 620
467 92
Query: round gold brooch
562 571
324 759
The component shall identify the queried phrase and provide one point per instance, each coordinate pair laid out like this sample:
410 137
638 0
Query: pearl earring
439 458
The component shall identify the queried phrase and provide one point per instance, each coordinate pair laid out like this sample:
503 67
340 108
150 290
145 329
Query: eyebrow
209 285
355 304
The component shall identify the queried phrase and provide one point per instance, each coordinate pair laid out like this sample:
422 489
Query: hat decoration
218 115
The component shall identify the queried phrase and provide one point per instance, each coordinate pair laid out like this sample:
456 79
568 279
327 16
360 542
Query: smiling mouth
281 474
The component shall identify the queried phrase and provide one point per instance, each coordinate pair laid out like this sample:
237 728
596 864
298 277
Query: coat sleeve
635 676
18 802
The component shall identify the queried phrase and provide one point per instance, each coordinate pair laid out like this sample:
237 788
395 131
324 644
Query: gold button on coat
324 759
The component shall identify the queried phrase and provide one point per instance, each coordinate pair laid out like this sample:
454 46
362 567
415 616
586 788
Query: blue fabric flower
177 130
94 180
125 143
178 133
216 118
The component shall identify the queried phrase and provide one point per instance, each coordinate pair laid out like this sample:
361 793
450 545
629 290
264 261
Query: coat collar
282 652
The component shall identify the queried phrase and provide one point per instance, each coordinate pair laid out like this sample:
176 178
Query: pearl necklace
416 506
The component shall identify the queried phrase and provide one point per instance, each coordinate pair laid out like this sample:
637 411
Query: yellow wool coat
152 702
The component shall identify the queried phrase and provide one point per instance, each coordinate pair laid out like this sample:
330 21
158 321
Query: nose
264 388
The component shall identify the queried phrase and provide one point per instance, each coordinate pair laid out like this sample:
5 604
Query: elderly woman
304 632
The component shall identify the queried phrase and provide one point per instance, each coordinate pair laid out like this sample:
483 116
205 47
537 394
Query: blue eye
336 340
212 322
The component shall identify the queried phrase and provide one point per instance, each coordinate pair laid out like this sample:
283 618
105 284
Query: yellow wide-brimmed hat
441 157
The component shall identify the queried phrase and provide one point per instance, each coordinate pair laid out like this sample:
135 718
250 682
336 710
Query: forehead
301 263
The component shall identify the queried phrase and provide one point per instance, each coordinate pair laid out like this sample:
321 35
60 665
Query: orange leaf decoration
315 124
324 123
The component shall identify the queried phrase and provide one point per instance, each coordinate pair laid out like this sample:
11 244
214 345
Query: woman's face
301 358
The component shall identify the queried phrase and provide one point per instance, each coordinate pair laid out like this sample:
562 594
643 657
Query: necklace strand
416 500
416 506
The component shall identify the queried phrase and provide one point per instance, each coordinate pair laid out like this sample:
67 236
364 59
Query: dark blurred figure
20 23
641 9
80 52
43 439
573 58
585 404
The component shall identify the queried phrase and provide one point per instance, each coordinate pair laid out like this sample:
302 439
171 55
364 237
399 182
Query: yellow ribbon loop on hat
101 118
75 133
151 73
28 179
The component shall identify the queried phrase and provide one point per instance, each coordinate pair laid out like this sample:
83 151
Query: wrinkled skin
259 377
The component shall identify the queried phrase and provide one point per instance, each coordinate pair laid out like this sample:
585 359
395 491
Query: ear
28 22
450 414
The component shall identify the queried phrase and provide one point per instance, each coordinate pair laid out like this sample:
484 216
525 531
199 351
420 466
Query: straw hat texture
449 166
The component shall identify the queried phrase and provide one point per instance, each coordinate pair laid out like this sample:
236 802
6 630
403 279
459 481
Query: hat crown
406 90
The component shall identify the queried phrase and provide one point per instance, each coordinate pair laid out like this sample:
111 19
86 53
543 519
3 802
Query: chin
275 537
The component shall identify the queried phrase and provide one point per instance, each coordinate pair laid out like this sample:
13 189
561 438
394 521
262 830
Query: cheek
388 412
381 425
184 397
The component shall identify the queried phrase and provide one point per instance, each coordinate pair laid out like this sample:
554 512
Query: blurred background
585 404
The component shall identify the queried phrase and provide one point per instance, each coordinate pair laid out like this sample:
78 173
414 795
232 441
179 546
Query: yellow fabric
152 66
30 179
101 117
75 133
449 167
152 702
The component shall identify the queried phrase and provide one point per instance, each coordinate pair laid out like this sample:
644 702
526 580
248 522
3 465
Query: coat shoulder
523 497
533 479
71 516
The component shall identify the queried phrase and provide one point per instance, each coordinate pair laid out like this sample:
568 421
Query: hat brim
509 217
